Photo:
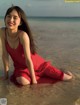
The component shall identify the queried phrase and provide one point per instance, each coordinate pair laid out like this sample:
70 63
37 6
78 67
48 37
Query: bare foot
67 76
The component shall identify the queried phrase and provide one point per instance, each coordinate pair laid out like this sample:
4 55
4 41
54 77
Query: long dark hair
24 25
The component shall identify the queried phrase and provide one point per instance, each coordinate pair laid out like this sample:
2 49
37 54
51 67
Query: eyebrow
12 15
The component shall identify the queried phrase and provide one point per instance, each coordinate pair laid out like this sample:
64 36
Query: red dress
44 71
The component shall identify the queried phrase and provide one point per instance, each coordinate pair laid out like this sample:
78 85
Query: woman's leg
67 76
22 77
22 80
55 73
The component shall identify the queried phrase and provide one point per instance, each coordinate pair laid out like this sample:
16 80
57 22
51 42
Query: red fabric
44 71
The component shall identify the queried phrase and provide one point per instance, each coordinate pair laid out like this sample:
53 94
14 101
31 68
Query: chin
9 27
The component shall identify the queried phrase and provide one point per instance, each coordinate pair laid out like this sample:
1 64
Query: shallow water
58 42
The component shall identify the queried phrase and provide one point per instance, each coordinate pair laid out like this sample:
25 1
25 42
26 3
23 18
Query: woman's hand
34 81
4 78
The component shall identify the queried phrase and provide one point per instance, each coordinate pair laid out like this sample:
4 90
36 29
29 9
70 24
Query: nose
11 19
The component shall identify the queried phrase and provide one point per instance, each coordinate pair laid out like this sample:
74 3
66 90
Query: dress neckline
9 44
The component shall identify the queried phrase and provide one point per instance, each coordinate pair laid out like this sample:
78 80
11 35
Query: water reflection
61 42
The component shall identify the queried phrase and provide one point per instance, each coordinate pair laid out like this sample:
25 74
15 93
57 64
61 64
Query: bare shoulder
23 36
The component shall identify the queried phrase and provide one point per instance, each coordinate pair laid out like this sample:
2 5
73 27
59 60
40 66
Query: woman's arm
26 45
5 56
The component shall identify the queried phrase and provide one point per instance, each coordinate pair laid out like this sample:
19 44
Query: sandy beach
58 42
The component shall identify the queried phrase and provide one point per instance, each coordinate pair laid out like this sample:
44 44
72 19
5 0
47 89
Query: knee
22 81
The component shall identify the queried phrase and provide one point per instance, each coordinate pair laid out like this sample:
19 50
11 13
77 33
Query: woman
17 41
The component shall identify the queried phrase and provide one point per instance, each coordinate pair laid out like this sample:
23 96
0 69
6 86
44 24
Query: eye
9 16
15 17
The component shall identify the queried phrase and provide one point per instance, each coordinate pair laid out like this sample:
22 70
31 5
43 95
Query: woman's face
12 20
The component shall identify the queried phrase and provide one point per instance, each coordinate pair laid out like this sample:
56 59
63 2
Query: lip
10 24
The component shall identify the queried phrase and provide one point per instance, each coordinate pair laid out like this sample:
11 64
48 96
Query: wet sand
60 45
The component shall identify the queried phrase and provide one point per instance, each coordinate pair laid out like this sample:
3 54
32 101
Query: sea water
58 41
